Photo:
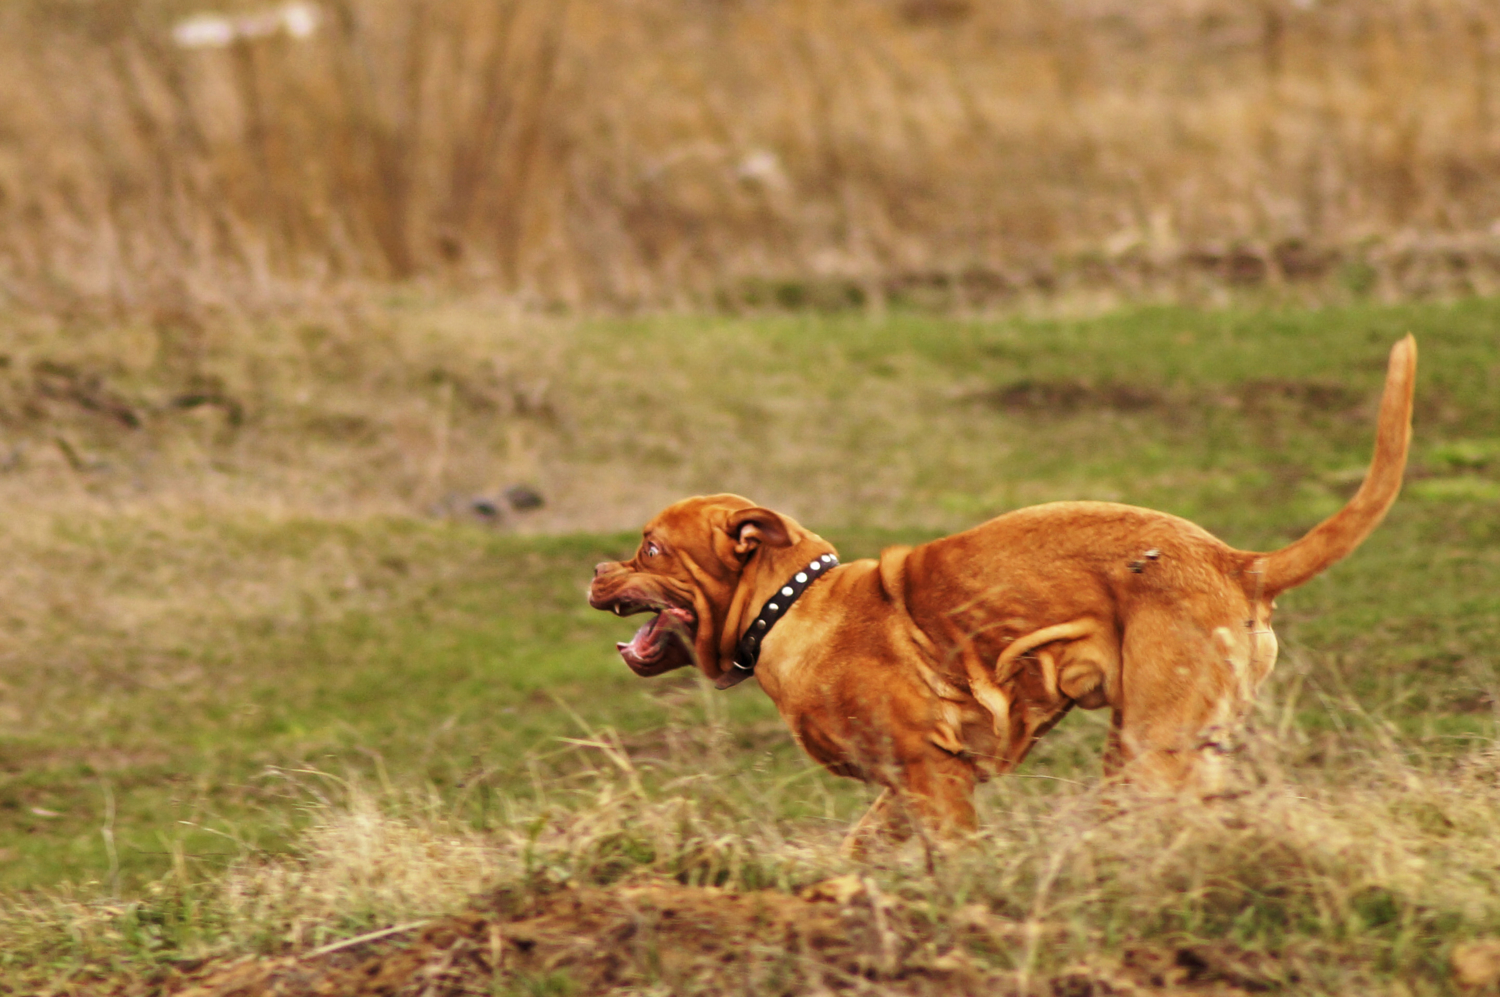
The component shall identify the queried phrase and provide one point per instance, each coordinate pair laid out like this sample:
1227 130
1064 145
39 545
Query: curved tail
1339 534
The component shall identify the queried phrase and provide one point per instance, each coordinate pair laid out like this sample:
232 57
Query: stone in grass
524 498
485 507
492 509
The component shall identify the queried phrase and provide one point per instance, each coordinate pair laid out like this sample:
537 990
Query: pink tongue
636 642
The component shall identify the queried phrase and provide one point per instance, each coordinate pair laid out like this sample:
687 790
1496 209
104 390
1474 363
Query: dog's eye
652 550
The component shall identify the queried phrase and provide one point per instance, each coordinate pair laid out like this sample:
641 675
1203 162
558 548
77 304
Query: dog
936 667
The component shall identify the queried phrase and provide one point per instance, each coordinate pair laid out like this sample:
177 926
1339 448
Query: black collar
747 653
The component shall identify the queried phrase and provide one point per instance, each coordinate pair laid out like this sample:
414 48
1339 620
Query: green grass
443 654
182 660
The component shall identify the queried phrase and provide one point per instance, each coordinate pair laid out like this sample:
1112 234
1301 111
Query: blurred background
162 160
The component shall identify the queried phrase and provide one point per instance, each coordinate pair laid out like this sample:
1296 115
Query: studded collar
747 652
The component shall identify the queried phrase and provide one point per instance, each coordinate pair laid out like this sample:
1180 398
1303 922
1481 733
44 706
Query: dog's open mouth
664 642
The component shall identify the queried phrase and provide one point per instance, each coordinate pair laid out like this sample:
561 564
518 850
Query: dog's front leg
938 792
886 823
939 788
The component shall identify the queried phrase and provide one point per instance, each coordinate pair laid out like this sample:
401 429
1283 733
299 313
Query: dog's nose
602 567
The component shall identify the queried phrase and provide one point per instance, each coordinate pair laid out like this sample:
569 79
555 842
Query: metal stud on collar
747 653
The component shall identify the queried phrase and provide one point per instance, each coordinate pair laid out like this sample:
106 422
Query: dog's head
703 568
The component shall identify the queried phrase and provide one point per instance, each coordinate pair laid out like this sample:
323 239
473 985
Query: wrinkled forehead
694 518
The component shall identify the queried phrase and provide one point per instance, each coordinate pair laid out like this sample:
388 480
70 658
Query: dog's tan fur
936 667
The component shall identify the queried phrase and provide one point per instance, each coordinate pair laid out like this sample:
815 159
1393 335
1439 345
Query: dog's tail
1339 534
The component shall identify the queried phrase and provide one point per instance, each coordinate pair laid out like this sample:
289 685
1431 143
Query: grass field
226 642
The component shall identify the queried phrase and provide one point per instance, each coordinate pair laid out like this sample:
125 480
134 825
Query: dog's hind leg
1181 693
1114 748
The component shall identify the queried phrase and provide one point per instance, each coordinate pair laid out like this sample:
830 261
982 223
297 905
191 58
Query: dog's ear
753 528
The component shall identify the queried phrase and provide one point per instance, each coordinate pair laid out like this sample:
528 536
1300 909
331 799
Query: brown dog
939 666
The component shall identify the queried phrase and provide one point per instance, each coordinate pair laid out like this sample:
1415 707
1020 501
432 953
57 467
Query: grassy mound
1337 866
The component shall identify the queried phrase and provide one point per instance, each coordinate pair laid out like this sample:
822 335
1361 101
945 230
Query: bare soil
836 936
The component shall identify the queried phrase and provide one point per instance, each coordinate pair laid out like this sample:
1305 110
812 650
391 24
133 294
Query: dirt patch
838 936
1263 399
1068 396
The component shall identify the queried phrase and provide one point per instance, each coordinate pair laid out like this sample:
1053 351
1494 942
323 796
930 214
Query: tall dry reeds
631 152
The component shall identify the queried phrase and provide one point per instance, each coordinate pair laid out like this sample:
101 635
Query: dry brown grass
628 152
1342 864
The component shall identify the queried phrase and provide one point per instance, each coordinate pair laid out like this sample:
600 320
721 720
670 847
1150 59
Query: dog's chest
853 705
